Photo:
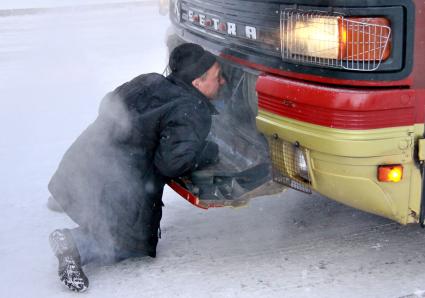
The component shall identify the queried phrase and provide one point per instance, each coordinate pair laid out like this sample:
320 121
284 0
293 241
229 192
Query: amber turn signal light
365 39
390 173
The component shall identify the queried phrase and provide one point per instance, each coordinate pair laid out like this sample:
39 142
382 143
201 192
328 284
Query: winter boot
70 270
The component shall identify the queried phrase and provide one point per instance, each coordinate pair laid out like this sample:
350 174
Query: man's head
210 82
197 67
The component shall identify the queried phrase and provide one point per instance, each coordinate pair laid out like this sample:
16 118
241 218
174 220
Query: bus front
337 87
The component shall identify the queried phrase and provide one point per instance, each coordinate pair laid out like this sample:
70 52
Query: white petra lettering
190 15
202 19
216 22
251 32
231 28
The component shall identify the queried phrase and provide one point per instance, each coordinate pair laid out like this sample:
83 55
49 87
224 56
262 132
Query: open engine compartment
244 169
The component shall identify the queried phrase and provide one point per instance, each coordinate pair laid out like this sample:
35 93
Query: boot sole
58 244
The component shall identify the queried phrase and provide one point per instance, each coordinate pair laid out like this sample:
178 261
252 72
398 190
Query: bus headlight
356 43
300 164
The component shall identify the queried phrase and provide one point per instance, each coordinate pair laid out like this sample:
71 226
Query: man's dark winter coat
110 181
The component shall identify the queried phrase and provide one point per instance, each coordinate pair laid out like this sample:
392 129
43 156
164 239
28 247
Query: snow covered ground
25 4
54 69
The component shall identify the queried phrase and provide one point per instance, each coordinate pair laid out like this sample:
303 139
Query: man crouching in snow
110 181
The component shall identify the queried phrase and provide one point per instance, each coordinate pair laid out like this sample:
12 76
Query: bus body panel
343 164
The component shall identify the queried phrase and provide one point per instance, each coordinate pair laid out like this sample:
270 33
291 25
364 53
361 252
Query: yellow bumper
343 164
